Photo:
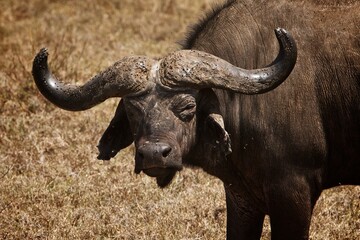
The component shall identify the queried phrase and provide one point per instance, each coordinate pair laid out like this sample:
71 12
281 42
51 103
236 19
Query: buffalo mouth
157 172
163 176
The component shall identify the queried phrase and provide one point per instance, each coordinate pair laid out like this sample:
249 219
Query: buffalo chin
165 180
164 176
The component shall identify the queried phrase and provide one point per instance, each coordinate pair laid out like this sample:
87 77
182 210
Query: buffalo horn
196 69
127 76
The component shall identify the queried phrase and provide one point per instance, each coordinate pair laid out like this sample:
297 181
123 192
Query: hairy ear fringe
117 136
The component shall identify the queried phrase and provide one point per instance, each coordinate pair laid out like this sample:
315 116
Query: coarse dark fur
302 137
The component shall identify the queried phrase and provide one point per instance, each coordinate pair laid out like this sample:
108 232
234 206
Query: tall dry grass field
52 186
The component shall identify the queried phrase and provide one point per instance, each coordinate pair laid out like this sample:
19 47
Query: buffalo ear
117 135
215 138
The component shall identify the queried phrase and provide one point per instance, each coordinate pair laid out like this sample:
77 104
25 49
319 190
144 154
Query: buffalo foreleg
243 220
290 208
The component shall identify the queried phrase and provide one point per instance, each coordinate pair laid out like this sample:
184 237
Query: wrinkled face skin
169 129
163 124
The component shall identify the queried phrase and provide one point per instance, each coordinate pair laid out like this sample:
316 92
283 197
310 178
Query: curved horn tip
43 53
284 37
280 32
41 58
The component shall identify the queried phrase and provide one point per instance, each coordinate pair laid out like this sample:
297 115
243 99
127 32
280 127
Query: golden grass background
52 186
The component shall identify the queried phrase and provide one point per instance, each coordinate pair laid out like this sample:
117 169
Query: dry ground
52 186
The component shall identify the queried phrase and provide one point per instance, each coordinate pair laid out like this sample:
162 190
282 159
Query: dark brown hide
300 138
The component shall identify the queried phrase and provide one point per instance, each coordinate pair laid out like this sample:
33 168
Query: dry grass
52 186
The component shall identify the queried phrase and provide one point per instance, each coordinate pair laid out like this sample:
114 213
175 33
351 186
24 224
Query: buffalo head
168 108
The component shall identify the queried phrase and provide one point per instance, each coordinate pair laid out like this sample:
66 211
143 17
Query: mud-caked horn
127 76
196 69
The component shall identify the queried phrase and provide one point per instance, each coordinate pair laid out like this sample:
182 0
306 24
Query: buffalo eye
185 109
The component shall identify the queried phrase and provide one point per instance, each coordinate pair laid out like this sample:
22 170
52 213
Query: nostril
166 151
153 152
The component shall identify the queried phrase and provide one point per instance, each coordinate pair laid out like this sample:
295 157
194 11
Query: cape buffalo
274 149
